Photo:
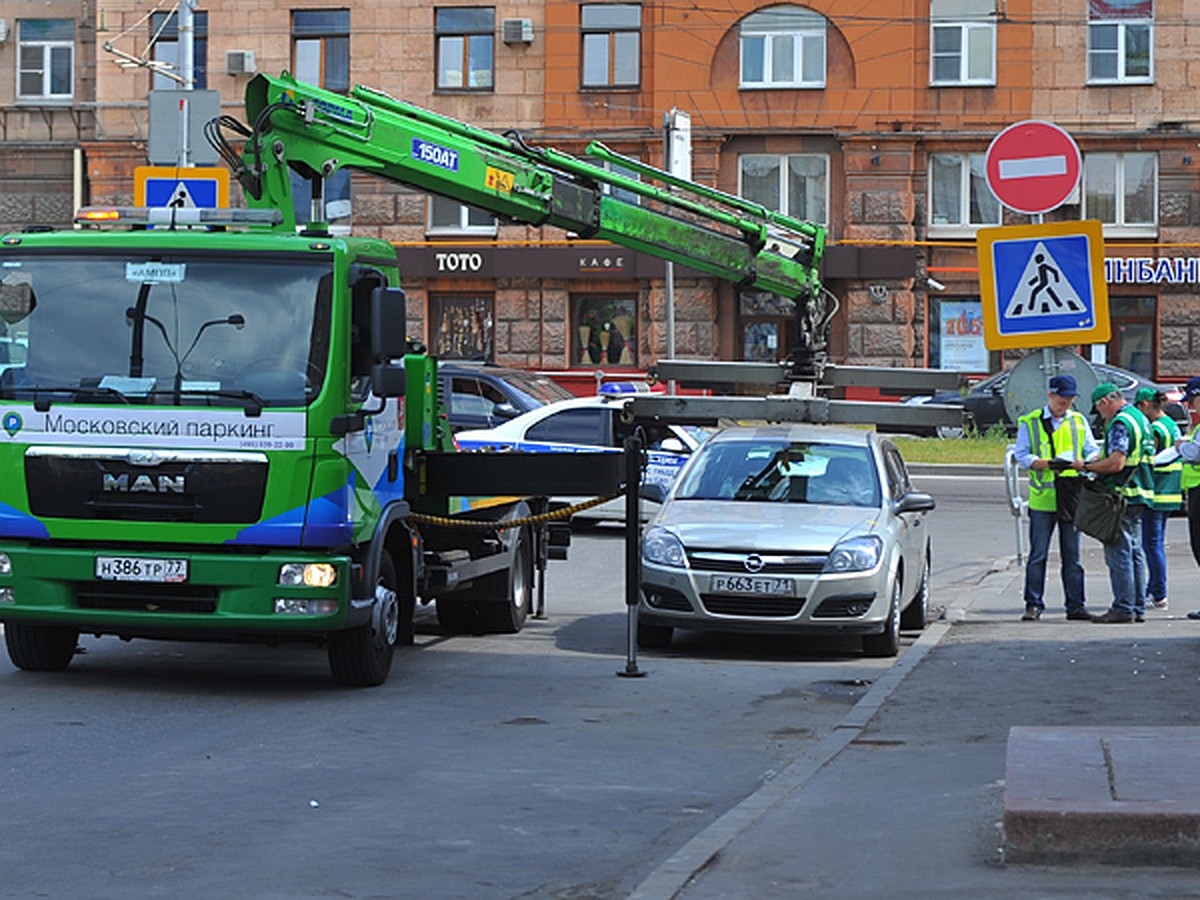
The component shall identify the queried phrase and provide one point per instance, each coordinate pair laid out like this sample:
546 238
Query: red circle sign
1032 166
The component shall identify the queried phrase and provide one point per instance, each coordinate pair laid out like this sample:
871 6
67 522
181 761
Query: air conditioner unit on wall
240 62
516 31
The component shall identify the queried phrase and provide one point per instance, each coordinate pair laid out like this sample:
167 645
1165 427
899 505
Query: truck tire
40 648
507 616
362 656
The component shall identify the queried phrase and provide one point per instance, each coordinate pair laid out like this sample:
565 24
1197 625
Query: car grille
756 607
167 598
772 564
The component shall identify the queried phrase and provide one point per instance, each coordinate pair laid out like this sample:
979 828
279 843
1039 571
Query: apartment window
612 44
1120 41
465 44
959 196
321 47
783 47
793 184
321 56
45 59
463 327
448 216
962 42
164 36
605 331
1121 190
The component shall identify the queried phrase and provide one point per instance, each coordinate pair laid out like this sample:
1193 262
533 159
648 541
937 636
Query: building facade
872 119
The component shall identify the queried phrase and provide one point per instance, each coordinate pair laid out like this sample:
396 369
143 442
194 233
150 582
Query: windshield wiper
251 402
42 403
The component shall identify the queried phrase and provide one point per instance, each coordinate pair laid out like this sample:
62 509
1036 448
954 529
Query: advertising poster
962 346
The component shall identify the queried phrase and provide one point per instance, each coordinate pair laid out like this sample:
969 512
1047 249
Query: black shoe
1079 615
1032 614
1139 617
1194 614
1113 617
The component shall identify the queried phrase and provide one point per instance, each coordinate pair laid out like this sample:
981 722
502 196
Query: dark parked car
482 395
985 399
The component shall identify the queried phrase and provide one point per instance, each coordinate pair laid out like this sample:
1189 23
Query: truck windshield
165 328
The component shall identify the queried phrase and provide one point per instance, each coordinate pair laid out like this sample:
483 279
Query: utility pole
187 69
677 159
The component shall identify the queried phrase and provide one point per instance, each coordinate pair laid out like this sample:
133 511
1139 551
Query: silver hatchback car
789 529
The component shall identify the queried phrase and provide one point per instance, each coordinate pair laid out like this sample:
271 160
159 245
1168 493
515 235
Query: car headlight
857 554
661 547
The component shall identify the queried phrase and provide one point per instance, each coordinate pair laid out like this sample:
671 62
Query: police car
590 424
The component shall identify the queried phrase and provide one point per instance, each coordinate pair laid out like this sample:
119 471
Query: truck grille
166 598
178 487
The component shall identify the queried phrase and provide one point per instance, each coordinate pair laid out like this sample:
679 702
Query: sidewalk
907 797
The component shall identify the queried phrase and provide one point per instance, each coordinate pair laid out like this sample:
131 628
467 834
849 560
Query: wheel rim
520 580
894 613
387 616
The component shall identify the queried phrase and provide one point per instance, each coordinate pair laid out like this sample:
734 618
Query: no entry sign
1032 166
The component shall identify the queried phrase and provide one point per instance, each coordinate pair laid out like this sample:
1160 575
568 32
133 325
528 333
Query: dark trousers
1193 517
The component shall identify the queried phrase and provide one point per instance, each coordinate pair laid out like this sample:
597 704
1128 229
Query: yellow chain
484 525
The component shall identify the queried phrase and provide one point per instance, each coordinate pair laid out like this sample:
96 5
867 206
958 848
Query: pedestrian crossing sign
1043 285
181 186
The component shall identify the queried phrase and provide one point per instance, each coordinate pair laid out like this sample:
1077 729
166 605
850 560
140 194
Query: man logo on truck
144 484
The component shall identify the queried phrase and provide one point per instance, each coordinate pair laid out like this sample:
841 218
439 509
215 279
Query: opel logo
753 563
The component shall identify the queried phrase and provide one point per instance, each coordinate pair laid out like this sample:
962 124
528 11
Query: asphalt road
516 766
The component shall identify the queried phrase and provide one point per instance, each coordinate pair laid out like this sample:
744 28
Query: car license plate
141 568
750 584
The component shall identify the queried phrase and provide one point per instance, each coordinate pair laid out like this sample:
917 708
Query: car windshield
165 328
782 472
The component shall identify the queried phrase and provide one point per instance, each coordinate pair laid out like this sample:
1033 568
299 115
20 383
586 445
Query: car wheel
950 432
654 637
40 648
916 614
887 643
362 656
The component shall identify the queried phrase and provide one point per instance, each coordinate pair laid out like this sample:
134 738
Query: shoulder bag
1099 510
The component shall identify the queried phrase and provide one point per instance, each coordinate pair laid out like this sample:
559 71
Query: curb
673 875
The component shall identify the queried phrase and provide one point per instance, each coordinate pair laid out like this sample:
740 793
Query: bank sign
1152 270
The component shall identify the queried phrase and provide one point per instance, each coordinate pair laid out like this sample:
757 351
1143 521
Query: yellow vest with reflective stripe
1068 436
1168 492
1191 471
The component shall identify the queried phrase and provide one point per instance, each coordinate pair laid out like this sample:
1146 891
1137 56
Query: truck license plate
747 584
141 568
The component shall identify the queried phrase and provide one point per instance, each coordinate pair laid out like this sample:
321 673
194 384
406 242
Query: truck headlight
661 547
5 564
292 606
321 575
859 554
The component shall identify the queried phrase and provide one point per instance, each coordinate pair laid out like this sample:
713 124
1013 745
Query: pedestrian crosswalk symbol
1043 285
181 197
1043 291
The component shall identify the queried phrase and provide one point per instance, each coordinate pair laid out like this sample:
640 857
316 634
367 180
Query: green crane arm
317 132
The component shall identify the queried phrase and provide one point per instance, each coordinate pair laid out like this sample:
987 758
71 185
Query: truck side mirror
388 324
388 379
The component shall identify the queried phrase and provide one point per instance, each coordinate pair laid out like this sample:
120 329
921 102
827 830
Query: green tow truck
219 430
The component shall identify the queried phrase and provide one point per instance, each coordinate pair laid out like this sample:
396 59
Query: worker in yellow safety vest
1049 440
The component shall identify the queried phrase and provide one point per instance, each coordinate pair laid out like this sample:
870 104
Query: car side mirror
505 410
654 491
915 501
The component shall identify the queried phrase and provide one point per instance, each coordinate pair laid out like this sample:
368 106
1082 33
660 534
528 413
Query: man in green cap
1125 467
1168 493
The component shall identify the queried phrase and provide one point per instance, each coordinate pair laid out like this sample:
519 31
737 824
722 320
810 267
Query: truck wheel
507 616
40 648
362 656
